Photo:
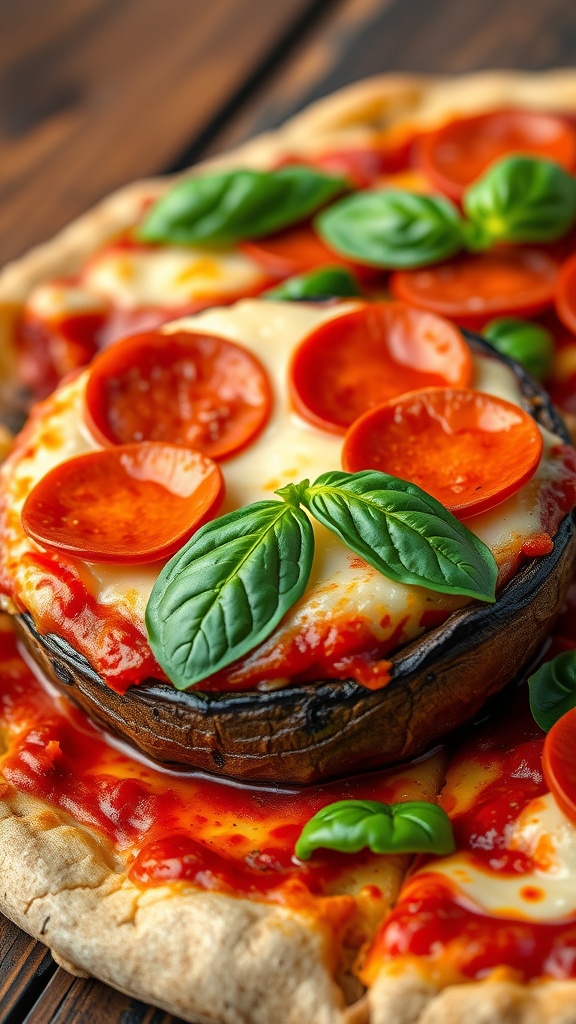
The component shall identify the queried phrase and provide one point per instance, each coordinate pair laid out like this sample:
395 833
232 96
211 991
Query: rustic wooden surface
94 93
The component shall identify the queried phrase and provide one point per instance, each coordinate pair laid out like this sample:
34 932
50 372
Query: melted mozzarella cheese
57 300
548 892
342 588
169 276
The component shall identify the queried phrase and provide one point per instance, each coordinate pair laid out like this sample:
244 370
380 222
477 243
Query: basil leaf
528 343
324 283
552 689
351 825
228 206
521 199
403 532
227 589
391 228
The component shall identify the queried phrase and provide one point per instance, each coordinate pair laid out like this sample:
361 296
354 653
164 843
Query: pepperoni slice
134 503
363 165
467 449
566 294
365 357
453 156
559 763
472 289
183 388
295 251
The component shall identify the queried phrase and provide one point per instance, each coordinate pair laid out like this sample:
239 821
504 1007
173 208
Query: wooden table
94 93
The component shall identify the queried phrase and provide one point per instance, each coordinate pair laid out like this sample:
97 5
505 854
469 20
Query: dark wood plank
367 37
103 92
25 968
68 1000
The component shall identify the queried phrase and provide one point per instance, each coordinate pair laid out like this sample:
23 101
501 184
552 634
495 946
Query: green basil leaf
228 588
552 689
528 343
228 206
352 825
324 283
403 532
522 199
391 228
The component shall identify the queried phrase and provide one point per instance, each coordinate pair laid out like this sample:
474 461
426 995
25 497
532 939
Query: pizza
288 669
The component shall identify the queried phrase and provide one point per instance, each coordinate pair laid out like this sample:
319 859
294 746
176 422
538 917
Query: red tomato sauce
432 922
433 919
171 827
69 610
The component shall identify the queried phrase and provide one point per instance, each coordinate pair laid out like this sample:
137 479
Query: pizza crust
412 999
207 957
202 955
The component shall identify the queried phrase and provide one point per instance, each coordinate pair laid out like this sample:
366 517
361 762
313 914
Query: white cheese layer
548 893
343 589
169 277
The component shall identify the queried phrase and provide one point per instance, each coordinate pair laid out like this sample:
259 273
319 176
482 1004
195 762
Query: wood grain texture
367 37
69 1001
25 969
101 92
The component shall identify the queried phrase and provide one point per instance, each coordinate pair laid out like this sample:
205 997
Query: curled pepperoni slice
453 156
566 294
475 288
559 763
134 503
467 449
365 357
183 388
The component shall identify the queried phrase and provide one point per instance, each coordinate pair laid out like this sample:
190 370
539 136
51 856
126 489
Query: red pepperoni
453 156
467 449
559 762
295 251
133 503
472 289
184 388
376 352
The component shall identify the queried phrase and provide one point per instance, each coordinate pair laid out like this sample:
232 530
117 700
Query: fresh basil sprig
228 206
403 532
352 825
392 229
228 588
530 344
520 199
552 689
324 283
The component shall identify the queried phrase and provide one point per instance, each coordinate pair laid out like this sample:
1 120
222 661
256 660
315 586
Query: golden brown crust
413 999
205 956
201 955
391 102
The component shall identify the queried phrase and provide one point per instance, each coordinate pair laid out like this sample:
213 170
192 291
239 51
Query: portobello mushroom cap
305 733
